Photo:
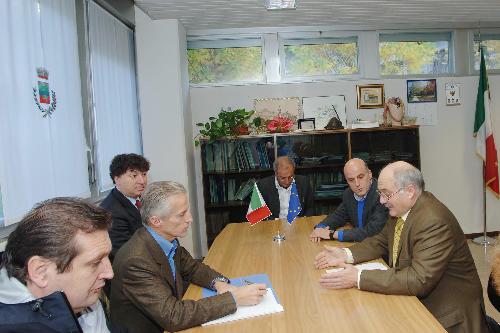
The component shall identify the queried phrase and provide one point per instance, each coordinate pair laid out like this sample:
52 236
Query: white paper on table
369 266
267 306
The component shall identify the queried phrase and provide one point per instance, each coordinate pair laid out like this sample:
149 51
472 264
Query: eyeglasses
388 197
283 179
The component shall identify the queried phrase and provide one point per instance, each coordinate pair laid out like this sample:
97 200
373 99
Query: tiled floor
482 258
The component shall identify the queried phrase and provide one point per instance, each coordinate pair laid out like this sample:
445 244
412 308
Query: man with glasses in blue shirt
360 207
428 254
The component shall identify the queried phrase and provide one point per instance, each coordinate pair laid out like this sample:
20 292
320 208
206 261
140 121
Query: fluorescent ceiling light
280 4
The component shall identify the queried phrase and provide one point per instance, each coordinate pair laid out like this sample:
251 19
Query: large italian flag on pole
257 210
483 132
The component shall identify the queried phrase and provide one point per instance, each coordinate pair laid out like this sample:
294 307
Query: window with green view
413 54
491 48
211 63
320 57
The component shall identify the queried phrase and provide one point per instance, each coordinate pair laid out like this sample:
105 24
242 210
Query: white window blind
114 90
40 157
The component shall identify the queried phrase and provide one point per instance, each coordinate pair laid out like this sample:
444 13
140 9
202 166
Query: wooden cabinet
231 164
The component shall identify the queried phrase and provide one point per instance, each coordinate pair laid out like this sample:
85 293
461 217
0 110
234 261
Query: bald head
358 176
400 185
404 174
284 168
356 163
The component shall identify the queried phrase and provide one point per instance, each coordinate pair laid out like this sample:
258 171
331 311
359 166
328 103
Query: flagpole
279 237
484 240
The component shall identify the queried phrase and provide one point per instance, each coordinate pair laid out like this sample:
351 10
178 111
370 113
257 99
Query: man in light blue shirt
146 294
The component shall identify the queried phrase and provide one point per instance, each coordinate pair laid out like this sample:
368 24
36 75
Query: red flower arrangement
279 124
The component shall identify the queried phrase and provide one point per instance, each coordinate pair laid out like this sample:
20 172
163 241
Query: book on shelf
209 157
245 189
364 124
236 155
231 156
221 189
217 157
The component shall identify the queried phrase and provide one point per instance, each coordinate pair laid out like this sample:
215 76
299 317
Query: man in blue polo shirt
360 207
151 268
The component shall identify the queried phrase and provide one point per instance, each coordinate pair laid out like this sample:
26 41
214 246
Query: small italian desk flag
483 131
257 210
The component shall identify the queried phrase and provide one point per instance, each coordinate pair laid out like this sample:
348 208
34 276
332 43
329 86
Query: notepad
369 266
268 305
257 278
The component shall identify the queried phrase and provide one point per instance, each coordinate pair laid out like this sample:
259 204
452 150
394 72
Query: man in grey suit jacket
360 207
428 254
146 293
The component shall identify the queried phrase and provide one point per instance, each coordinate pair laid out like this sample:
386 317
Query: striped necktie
397 235
138 203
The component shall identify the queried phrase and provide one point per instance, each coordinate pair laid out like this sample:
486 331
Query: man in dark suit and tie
129 173
360 207
428 254
276 190
151 267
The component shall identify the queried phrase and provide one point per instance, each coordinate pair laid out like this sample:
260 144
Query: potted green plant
227 123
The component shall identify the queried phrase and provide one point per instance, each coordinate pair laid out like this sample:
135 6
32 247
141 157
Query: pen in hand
249 283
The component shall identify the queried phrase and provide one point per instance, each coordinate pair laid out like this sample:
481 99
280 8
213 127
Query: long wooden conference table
242 250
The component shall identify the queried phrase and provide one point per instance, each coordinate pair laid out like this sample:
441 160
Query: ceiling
224 14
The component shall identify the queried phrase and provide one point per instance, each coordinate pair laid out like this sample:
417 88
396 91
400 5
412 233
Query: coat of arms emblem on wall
45 99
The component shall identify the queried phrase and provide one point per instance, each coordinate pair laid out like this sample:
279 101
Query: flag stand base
484 240
279 237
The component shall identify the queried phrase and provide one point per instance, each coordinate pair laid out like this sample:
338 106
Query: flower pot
241 130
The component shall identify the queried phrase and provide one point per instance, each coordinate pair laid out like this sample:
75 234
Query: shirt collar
132 200
405 215
167 247
358 198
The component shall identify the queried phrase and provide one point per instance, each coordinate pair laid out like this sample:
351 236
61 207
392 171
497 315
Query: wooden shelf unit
228 163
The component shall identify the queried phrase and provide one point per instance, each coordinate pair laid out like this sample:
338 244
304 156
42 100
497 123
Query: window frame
229 41
489 34
315 37
418 35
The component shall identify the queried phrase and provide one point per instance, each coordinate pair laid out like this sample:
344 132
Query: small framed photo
307 124
421 91
370 96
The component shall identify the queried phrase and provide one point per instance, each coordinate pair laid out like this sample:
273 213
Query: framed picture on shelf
370 96
307 124
421 91
269 108
324 108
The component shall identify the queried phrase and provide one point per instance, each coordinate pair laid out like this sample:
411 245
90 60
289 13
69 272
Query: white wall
169 109
164 107
450 166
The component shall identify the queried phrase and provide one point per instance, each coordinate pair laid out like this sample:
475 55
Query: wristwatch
331 234
221 279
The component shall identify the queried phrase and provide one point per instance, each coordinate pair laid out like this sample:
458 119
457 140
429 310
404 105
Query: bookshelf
230 164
